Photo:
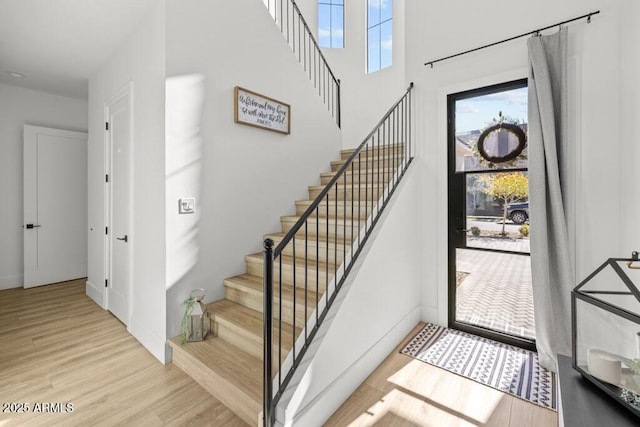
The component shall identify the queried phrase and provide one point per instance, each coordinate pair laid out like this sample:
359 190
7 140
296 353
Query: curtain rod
588 16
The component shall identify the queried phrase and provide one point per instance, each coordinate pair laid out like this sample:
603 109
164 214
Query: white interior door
55 205
118 238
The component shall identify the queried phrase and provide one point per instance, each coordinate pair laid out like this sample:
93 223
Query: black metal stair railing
317 253
298 35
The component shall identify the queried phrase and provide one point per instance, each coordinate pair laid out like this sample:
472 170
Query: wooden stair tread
246 290
355 186
355 174
231 362
229 311
347 152
348 174
288 260
333 202
321 240
251 321
253 284
323 220
387 160
230 374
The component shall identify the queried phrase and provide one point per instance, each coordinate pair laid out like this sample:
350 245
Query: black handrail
278 250
387 151
305 45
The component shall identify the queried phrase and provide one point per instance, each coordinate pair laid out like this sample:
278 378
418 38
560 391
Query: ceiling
59 44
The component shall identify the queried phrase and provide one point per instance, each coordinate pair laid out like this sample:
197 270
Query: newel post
268 412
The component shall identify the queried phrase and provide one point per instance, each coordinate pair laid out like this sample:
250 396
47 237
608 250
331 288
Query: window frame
378 25
331 4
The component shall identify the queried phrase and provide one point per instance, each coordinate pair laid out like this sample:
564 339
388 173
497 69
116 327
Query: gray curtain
550 260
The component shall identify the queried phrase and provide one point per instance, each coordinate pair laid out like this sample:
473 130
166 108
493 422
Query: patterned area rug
501 366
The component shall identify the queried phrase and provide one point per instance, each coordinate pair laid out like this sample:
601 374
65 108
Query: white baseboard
10 282
154 344
95 293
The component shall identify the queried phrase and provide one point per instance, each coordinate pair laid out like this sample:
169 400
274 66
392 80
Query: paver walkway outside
497 291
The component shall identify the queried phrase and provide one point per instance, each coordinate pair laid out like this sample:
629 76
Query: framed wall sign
253 109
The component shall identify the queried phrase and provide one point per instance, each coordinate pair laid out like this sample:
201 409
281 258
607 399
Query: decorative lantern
196 322
606 329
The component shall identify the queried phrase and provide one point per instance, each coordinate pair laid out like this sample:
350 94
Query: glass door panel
497 212
493 291
490 287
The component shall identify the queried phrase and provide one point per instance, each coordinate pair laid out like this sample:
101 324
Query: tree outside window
331 23
507 187
379 34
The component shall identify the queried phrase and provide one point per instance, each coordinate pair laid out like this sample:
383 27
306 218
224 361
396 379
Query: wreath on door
501 142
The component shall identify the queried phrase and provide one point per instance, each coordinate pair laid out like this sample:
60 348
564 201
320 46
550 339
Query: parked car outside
518 212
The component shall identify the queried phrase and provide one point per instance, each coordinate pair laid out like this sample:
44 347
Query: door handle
30 226
125 238
461 230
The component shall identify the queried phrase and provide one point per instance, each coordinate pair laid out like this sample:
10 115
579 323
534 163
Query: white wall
365 97
377 307
141 60
249 177
19 107
629 88
595 72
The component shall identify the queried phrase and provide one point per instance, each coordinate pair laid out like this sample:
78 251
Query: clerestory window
379 34
331 23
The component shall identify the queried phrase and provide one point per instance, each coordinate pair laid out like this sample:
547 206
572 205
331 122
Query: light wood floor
404 391
60 347
57 346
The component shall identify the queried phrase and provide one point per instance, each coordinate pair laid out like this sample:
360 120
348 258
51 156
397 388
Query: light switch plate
187 205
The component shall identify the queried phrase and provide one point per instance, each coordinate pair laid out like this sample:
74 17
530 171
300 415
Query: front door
118 193
55 205
490 288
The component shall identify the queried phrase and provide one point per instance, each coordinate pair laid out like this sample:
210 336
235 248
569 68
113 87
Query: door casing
118 186
456 213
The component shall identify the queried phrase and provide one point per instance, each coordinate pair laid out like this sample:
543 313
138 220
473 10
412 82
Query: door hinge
106 230
106 283
106 125
106 178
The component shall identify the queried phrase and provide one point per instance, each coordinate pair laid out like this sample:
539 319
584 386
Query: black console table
585 405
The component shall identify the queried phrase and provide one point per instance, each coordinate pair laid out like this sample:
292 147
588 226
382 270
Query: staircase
313 254
228 363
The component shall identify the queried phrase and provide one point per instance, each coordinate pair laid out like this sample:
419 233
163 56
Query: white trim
126 90
155 344
95 293
442 215
10 282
